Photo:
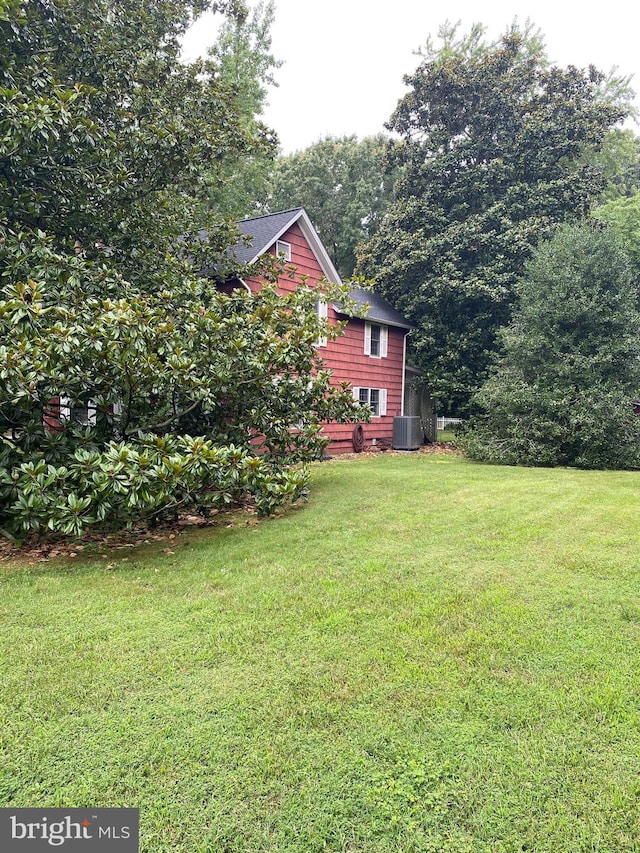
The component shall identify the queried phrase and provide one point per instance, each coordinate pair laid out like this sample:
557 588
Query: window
84 414
375 398
375 340
283 250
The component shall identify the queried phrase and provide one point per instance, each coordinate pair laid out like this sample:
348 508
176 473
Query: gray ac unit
407 433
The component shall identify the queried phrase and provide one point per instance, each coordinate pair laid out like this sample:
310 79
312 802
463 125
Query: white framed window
375 398
84 414
283 250
376 337
322 310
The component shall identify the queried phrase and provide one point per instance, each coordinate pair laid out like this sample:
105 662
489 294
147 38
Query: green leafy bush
150 479
241 371
562 392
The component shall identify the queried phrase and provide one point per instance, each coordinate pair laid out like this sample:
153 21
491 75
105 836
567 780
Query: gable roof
266 230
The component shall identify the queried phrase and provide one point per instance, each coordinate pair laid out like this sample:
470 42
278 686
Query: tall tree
491 137
104 132
562 392
246 65
342 184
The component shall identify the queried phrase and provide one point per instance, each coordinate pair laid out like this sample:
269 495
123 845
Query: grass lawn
431 655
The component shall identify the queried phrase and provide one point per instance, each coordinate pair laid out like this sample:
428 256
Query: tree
619 161
622 215
242 52
103 129
561 393
491 137
342 185
105 140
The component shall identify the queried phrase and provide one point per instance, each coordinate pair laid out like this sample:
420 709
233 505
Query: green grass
430 656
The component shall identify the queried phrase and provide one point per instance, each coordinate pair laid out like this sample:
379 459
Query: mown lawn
430 656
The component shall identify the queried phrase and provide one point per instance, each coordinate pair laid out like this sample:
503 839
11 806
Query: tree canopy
106 144
242 52
622 214
619 162
562 391
105 132
342 185
491 143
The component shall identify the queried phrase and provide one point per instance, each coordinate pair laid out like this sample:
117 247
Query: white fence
443 423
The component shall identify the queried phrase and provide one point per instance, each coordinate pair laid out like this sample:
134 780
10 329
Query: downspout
404 368
245 285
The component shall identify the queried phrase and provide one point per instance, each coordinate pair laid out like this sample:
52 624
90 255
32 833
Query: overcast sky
344 59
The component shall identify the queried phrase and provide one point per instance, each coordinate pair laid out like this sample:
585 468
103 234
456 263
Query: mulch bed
434 447
97 543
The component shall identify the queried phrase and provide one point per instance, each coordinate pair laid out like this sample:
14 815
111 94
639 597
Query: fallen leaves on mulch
441 447
95 543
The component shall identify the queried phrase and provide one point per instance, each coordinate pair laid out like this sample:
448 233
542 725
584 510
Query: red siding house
370 355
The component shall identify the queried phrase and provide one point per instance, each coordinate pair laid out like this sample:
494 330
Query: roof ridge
275 213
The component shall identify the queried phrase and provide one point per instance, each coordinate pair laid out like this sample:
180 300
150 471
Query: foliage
623 216
561 394
619 162
259 690
342 185
246 65
150 479
105 138
103 130
491 140
241 369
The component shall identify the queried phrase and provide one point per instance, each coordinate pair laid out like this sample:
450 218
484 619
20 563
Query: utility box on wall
407 433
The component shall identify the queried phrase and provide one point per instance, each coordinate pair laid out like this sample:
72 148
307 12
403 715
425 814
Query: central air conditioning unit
407 433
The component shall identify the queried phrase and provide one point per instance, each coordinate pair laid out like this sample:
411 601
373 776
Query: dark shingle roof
379 309
264 230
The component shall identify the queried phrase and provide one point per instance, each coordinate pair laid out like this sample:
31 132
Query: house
371 354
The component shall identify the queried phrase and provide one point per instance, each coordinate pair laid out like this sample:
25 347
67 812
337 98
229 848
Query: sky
344 60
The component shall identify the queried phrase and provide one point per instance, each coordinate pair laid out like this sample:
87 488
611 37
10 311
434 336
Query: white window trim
382 398
384 339
283 250
323 312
